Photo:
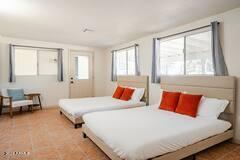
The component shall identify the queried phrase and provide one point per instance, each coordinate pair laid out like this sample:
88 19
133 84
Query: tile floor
45 134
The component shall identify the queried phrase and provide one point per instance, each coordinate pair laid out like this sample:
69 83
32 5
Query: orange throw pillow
169 100
118 92
127 94
188 104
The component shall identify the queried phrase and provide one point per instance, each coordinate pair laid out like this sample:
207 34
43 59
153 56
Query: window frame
38 63
184 35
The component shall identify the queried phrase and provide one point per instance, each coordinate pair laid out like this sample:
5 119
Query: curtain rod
125 47
35 47
184 32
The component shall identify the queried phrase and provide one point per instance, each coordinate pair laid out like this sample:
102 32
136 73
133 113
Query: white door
81 74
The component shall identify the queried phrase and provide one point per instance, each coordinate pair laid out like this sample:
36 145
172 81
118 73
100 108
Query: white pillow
137 94
211 107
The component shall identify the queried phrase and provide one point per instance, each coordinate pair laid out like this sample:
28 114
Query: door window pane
172 57
25 62
82 67
199 54
47 62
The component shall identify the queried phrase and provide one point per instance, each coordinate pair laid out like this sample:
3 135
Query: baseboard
6 110
50 107
234 140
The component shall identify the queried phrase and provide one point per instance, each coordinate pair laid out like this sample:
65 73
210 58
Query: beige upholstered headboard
222 87
136 81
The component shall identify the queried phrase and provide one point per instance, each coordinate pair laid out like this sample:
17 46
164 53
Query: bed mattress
79 106
147 132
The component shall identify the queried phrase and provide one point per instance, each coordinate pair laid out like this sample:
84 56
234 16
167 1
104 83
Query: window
31 61
199 54
188 54
125 61
47 62
172 57
25 62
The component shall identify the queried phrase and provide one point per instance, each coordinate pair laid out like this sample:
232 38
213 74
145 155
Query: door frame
69 69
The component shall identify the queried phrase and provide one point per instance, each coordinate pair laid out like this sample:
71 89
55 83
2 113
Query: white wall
48 86
230 32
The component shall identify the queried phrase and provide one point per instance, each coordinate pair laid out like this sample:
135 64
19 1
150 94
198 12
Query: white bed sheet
79 106
147 132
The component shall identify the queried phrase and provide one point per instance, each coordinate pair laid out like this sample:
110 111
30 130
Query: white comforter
147 132
79 106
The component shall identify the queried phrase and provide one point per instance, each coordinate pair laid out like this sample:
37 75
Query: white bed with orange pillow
147 132
78 107
154 133
74 109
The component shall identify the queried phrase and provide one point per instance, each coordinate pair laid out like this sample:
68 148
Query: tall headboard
222 87
136 81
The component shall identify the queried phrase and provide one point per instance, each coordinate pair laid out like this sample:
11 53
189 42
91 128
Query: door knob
71 82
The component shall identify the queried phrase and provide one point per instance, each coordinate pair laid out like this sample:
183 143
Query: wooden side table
32 95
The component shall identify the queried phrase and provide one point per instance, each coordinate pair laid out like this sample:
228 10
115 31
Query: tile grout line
31 138
54 146
12 127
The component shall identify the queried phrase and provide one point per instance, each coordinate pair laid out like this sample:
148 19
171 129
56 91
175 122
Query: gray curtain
137 66
155 61
219 65
12 77
114 67
60 65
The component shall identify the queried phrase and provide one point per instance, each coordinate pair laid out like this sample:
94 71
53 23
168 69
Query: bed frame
131 81
222 87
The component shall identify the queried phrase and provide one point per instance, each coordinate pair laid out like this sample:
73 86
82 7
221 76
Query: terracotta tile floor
45 134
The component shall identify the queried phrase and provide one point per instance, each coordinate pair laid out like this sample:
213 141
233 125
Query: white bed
80 106
74 109
148 132
156 132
